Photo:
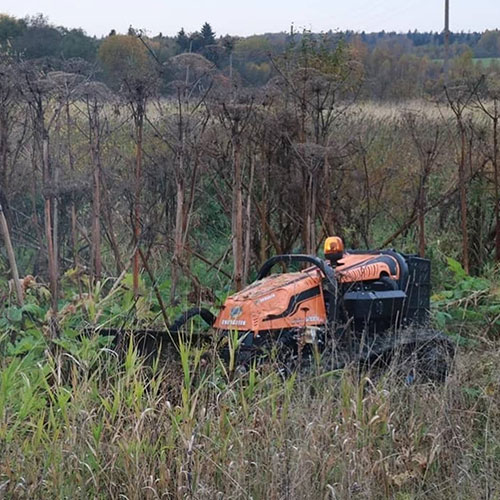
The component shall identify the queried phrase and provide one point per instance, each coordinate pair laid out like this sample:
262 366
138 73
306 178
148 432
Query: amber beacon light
334 249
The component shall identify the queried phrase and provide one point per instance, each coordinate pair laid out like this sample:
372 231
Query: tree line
396 65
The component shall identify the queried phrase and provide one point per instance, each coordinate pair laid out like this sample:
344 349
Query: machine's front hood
278 301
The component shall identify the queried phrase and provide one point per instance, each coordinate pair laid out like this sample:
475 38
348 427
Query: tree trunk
73 206
74 237
137 213
305 217
328 213
497 187
248 223
49 230
421 221
4 149
34 208
96 259
4 228
96 224
50 254
264 243
368 196
463 199
188 207
312 220
55 228
237 215
178 230
309 215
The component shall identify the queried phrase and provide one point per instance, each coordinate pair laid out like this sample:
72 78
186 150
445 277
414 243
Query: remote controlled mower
369 307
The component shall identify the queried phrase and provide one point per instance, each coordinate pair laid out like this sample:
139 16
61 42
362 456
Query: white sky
98 17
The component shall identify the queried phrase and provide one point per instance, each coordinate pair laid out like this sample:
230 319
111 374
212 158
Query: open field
486 61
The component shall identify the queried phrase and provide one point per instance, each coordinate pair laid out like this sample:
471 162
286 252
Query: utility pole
446 38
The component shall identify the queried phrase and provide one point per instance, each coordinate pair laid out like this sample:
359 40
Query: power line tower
446 37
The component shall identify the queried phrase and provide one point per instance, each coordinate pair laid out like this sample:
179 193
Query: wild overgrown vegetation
125 202
77 419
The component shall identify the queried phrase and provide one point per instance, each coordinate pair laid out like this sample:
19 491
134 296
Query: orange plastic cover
293 300
277 302
366 267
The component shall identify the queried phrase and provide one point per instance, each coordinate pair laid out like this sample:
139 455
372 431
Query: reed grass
137 428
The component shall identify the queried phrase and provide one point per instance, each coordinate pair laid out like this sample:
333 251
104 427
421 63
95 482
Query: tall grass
133 428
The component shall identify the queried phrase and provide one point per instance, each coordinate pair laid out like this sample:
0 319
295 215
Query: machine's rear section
385 304
383 290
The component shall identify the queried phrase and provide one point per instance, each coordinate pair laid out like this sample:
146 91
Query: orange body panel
366 267
294 300
277 302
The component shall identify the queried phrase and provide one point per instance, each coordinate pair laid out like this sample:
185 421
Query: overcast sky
98 17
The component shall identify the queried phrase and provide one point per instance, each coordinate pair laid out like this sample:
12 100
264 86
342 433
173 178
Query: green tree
254 49
489 44
75 43
124 57
207 35
10 28
182 41
462 66
40 39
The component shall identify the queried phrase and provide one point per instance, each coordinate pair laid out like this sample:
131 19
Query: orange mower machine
364 306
